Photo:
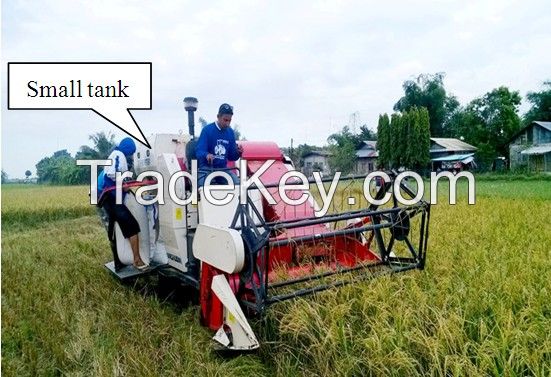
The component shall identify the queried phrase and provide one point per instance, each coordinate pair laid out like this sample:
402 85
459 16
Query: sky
292 70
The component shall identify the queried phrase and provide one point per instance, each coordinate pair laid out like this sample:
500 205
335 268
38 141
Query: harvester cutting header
250 253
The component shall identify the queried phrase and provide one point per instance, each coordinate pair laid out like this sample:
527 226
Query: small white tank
123 245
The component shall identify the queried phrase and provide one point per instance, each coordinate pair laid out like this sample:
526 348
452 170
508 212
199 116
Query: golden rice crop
482 306
32 205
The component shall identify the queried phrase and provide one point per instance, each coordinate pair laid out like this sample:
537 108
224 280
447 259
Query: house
316 161
366 157
451 154
531 147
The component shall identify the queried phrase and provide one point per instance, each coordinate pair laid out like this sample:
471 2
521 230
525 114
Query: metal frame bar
258 259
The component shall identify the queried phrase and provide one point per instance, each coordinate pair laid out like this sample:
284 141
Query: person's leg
201 177
107 215
130 230
135 245
233 177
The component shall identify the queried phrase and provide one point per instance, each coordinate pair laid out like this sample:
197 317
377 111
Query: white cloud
292 69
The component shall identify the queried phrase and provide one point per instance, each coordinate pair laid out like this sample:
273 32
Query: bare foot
140 265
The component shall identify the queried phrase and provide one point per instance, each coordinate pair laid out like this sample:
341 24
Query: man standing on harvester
119 212
217 146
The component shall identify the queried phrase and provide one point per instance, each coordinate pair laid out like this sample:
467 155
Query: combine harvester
241 258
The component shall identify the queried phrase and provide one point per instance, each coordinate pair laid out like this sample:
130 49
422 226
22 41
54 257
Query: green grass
482 306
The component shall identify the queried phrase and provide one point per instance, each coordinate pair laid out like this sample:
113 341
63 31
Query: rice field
482 306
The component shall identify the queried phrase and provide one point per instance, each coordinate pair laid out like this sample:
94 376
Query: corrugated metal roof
451 144
371 143
546 125
368 149
366 153
453 157
538 149
317 153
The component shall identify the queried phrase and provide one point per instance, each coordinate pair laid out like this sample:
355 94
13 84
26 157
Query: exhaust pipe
190 104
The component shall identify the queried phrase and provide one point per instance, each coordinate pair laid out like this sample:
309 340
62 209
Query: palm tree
103 146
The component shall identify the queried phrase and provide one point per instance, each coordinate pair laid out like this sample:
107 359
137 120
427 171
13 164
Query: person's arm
201 150
119 164
233 153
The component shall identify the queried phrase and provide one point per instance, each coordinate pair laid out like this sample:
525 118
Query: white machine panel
217 215
220 247
146 159
174 218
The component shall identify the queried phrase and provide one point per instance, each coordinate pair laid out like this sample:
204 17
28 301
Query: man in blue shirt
217 146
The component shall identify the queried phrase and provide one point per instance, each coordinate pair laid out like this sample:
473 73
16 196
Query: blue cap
127 146
225 109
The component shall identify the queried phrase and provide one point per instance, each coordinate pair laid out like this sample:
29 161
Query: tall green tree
428 91
342 146
396 146
383 141
541 105
4 177
489 122
405 140
406 134
423 138
412 138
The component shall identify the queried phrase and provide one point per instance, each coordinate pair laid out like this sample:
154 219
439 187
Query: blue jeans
203 173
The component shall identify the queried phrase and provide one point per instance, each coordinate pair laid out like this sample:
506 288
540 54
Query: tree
366 134
541 105
406 136
395 131
422 138
102 148
428 91
489 122
237 133
4 177
405 140
28 174
383 141
299 153
342 146
203 122
57 169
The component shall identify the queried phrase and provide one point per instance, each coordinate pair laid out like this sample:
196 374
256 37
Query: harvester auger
243 256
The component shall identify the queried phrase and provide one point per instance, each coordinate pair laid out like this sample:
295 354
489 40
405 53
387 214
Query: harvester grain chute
246 255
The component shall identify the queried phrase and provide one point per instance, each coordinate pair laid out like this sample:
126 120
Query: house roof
451 145
368 143
546 125
539 149
454 157
368 149
317 153
367 153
